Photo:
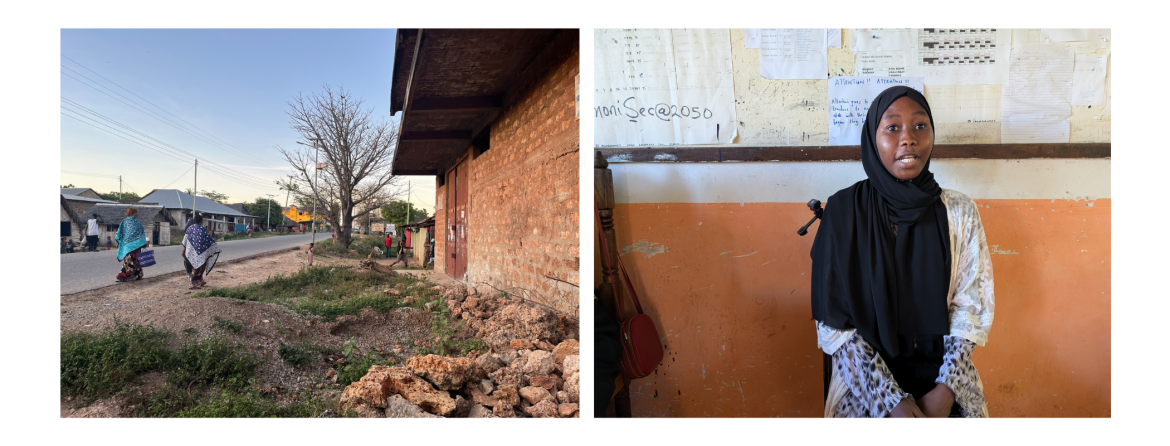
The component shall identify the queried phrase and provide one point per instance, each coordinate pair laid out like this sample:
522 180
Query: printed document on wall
1099 37
849 100
751 38
833 36
882 63
1088 82
882 39
961 56
793 53
663 87
1036 106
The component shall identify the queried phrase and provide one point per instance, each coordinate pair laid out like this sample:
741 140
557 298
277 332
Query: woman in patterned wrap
131 237
901 278
199 252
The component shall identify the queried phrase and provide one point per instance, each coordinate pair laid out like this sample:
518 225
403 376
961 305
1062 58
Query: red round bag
641 346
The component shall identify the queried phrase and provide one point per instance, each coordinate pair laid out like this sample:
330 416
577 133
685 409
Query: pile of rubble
531 368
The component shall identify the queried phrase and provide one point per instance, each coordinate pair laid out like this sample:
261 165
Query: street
91 270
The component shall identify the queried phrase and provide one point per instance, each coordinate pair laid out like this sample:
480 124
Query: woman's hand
937 403
906 409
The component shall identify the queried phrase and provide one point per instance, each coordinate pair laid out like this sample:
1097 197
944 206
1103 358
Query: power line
242 178
238 152
180 177
164 152
75 104
156 106
89 174
147 112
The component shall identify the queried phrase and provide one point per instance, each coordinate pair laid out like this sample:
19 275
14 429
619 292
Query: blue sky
229 87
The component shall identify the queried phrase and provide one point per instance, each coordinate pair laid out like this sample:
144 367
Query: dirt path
167 304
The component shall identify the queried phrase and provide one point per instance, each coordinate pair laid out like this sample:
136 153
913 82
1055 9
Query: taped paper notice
1036 106
663 87
1099 37
833 36
849 100
1088 82
964 103
882 63
881 39
962 56
751 38
793 53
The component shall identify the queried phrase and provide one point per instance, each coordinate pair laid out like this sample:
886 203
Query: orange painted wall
727 285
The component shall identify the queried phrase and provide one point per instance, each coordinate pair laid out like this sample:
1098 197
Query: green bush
97 366
227 325
298 357
214 361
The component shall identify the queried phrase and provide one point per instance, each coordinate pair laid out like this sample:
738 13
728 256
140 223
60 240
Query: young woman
199 252
901 279
131 238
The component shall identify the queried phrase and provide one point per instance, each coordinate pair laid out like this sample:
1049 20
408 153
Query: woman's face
905 139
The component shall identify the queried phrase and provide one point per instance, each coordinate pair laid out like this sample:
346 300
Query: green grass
221 403
209 378
96 366
214 361
331 291
297 356
362 244
219 323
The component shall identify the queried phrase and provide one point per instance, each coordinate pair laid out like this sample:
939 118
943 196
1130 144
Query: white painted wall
798 182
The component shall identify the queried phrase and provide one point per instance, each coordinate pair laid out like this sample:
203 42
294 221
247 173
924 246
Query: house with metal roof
81 192
217 217
72 206
155 220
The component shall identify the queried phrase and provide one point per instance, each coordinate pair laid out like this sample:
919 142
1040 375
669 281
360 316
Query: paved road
91 270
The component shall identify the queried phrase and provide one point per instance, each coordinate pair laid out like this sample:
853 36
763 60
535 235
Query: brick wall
523 197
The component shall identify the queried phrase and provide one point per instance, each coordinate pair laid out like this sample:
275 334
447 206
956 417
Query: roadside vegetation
208 378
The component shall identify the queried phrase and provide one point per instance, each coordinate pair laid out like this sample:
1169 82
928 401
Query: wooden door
451 229
462 209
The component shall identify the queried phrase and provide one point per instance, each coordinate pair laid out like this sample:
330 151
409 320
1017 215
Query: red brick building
492 114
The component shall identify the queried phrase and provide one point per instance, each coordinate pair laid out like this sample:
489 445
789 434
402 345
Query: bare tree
357 152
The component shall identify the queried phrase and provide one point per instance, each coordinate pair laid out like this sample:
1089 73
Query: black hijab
891 286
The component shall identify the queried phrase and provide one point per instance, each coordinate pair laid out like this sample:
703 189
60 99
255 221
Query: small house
217 217
156 221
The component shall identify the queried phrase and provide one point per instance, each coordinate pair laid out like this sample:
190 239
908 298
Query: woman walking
131 238
200 252
901 278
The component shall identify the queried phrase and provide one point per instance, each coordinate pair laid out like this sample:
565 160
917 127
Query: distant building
217 217
491 114
156 221
74 203
81 192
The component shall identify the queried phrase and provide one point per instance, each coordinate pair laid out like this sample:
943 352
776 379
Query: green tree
265 209
113 196
395 212
68 186
211 194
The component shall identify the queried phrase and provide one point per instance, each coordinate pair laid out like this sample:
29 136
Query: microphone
815 206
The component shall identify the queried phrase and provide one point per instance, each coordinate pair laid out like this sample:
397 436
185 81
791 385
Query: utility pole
269 213
408 202
195 191
119 188
316 167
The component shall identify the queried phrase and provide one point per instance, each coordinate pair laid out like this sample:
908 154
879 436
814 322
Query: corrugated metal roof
75 190
113 214
81 198
176 199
